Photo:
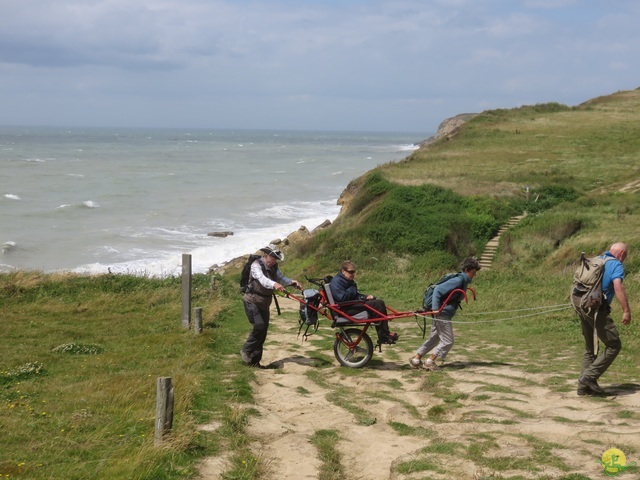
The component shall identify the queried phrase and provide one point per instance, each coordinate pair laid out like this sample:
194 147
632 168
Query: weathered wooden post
197 320
164 409
186 290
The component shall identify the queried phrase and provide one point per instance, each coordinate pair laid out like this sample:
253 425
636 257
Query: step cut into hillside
486 259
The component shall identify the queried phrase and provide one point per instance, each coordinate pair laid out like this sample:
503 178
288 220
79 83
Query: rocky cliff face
449 127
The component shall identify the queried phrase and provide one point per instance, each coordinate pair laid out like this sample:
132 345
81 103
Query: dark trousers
382 328
594 366
259 319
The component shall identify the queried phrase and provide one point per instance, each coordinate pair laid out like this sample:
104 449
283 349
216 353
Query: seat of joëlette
338 320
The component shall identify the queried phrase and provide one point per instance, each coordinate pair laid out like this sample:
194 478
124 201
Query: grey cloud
288 59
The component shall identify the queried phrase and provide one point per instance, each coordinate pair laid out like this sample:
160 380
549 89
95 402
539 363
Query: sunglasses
352 272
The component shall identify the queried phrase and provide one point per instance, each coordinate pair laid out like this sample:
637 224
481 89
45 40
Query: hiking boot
245 358
430 365
415 362
582 391
387 339
589 384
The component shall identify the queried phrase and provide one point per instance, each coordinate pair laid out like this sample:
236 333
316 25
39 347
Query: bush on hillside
502 114
412 220
549 196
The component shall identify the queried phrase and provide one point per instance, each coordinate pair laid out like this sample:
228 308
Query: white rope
520 309
500 319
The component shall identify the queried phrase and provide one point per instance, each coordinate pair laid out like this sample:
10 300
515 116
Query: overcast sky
379 65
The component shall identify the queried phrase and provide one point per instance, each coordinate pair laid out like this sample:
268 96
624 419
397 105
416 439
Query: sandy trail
533 421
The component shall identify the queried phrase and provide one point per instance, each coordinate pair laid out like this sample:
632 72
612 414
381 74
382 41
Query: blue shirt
612 269
441 292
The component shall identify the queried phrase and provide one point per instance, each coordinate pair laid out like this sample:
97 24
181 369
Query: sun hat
274 251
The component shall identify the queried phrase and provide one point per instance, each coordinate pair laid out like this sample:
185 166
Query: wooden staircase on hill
486 259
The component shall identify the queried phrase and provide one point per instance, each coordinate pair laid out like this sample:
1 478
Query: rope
563 307
519 310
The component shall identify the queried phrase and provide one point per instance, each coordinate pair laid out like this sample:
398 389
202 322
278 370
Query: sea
122 200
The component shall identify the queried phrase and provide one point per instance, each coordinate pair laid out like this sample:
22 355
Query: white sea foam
408 148
11 196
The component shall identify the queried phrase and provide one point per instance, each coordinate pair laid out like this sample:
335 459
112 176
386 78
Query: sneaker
430 365
588 384
394 336
415 362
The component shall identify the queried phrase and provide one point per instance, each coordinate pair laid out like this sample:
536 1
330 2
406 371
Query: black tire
357 357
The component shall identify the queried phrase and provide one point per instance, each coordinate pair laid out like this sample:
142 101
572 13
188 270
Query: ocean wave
8 246
408 148
87 204
297 211
205 251
11 196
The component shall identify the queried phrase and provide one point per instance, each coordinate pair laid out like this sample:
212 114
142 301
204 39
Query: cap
274 251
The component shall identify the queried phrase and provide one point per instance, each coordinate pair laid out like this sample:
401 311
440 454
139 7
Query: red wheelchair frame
353 347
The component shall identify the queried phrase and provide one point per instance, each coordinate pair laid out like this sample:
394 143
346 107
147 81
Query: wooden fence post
197 320
186 290
164 409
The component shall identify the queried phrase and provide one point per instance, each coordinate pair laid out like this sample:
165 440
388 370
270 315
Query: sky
341 65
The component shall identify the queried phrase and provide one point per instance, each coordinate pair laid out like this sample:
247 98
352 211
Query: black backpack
427 303
246 273
309 309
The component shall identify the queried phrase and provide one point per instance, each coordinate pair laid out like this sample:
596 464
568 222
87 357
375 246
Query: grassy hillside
80 355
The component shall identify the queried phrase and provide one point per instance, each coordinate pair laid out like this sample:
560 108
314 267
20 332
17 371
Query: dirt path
472 419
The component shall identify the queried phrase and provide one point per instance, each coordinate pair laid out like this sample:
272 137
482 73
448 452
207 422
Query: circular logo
613 461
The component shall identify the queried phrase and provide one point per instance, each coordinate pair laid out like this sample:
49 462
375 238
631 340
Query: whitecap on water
8 246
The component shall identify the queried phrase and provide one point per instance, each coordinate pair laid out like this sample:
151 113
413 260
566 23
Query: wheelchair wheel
355 357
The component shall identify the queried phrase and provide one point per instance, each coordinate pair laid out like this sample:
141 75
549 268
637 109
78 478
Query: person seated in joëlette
344 289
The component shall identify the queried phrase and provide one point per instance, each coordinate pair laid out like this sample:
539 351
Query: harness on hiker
427 303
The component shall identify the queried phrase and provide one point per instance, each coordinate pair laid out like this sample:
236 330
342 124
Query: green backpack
587 281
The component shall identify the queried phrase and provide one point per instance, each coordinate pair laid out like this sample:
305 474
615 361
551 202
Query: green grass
81 356
325 442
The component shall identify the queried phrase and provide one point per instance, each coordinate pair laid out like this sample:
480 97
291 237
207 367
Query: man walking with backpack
599 319
264 278
441 336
